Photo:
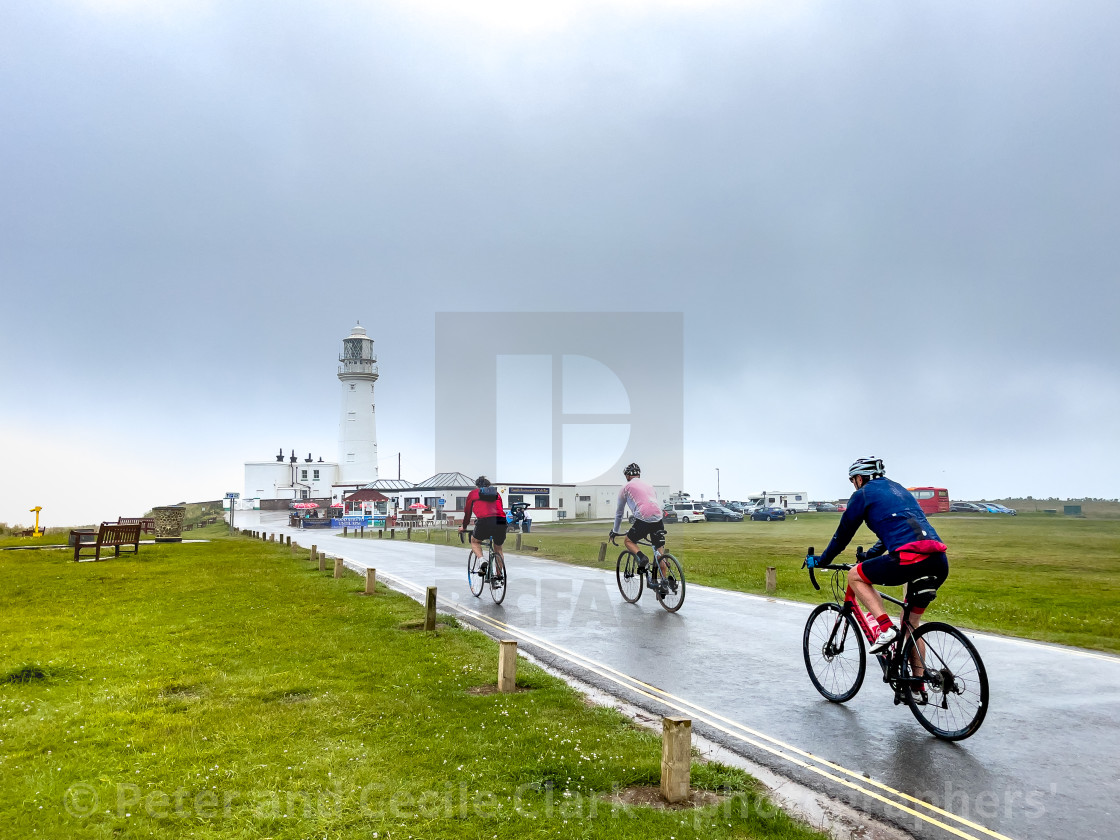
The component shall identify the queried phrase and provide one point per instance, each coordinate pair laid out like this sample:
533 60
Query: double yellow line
836 773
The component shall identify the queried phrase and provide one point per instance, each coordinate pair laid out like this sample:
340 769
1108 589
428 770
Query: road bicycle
668 583
489 572
935 670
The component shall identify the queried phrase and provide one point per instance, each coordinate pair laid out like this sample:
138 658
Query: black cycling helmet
870 467
482 481
632 469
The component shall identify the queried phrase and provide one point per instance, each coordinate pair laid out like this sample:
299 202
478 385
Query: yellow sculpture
35 510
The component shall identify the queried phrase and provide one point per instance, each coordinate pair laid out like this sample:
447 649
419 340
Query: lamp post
718 496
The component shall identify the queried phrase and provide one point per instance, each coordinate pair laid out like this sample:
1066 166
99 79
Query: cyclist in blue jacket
907 549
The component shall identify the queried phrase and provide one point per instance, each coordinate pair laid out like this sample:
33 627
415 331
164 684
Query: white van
688 511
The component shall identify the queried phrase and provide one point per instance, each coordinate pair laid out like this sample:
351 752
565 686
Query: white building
287 479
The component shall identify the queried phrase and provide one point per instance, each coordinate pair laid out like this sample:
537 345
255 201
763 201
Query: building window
541 501
583 499
460 502
351 386
303 475
560 503
349 457
515 498
315 474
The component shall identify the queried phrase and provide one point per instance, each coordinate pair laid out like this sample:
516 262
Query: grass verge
228 690
1035 576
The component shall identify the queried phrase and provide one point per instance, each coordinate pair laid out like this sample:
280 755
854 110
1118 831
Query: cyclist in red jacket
485 503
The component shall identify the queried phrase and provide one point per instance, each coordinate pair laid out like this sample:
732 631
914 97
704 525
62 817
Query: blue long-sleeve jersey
890 511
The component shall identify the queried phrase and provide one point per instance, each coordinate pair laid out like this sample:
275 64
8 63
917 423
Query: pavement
1045 763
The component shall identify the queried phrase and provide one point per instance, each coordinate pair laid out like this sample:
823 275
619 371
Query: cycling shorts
490 526
654 530
888 570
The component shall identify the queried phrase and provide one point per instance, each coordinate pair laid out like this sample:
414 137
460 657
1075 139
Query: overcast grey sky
891 228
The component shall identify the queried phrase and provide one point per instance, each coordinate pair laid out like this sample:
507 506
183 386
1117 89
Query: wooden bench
111 535
147 524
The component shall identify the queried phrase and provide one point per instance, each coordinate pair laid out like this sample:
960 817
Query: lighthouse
357 432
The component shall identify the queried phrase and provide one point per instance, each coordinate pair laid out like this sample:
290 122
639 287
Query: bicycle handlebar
832 567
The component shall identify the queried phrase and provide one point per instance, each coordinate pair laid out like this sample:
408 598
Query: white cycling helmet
870 467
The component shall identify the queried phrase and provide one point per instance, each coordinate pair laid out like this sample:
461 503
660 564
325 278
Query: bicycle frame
891 663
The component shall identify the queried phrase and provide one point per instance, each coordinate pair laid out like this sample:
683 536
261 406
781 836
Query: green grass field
1036 576
229 690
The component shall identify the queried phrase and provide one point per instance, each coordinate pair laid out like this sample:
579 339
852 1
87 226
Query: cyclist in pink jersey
486 505
649 521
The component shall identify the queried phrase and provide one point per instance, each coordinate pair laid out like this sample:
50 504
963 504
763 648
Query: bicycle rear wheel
498 578
630 582
670 586
956 683
475 579
834 655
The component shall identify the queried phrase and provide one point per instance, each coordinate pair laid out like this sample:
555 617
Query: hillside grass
1040 577
230 690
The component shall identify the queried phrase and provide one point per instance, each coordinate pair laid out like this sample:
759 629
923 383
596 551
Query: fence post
322 562
338 567
380 533
518 546
344 530
408 534
602 552
430 609
507 666
314 553
371 581
771 579
676 758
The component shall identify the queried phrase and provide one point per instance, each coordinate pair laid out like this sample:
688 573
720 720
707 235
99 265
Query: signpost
233 497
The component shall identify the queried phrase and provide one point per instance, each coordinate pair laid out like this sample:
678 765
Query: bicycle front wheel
954 681
630 581
498 579
834 654
475 578
670 586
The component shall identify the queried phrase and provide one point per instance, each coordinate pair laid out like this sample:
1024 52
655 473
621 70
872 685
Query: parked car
966 507
768 514
689 511
669 515
825 507
738 507
994 508
722 514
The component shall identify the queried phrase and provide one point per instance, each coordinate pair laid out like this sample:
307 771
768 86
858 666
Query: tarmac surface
1045 763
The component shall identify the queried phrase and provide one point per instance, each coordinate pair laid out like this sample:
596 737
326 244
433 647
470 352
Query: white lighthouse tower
357 433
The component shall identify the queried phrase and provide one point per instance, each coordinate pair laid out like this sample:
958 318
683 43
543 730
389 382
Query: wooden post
517 547
408 533
344 530
371 581
392 533
380 533
676 758
771 579
314 553
602 552
288 539
338 567
430 609
507 666
322 562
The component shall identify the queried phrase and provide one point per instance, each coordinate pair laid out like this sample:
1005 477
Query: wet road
1045 764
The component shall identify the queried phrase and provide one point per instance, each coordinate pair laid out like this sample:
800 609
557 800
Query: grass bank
1036 576
228 690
